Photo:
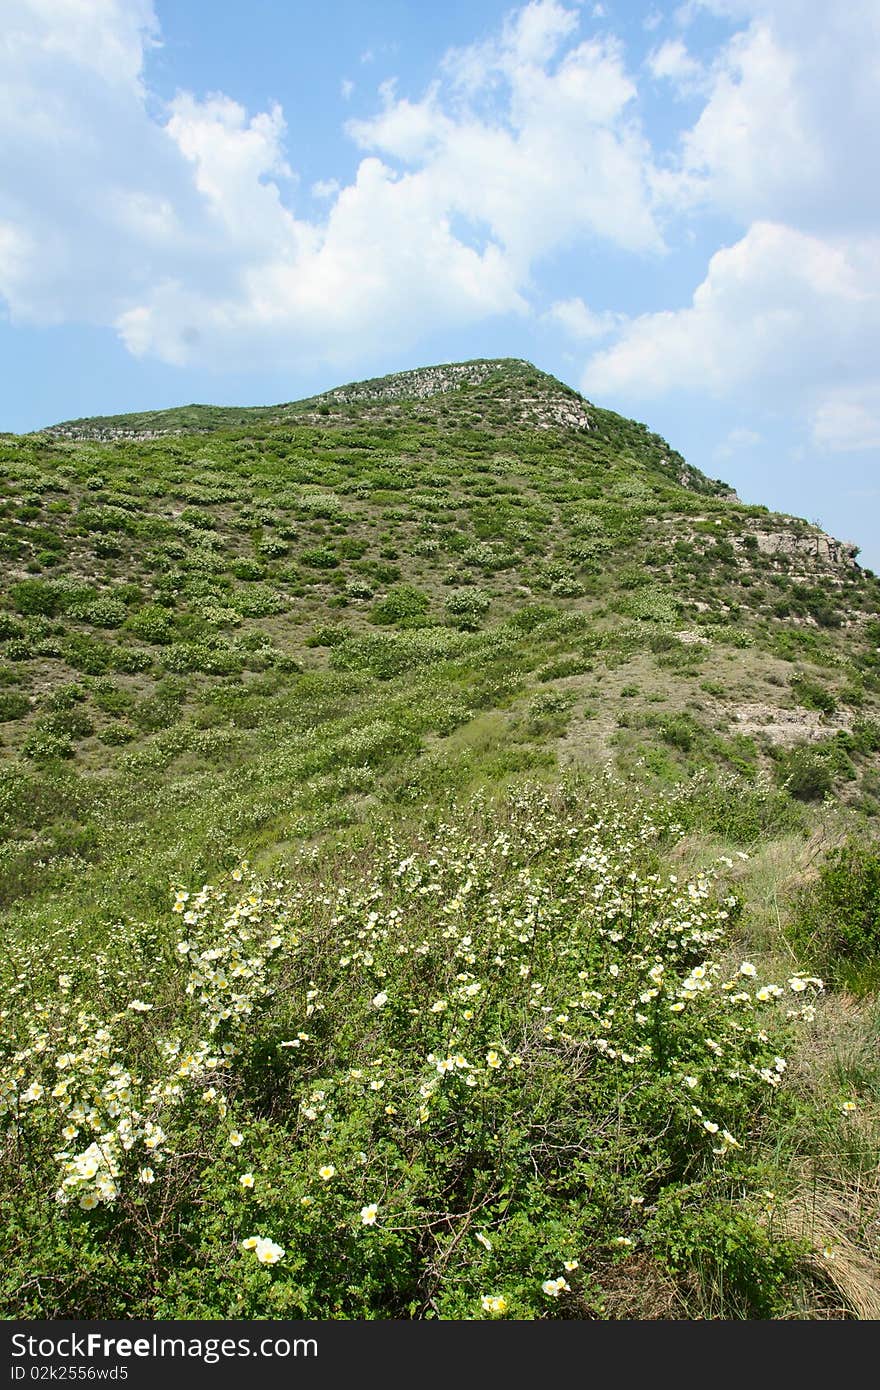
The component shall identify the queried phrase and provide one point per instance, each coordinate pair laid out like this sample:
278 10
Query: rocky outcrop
785 727
815 546
412 386
542 405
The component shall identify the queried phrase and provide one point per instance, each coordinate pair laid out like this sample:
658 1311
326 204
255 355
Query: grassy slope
309 622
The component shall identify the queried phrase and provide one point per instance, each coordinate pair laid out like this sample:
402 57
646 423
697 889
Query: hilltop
493 395
441 668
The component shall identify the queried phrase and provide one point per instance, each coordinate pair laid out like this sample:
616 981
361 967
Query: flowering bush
457 1083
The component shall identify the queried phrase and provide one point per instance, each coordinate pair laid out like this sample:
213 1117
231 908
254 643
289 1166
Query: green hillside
442 783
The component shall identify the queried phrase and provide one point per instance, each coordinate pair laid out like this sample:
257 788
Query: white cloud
783 320
735 442
346 87
672 62
182 229
788 130
848 419
580 322
559 154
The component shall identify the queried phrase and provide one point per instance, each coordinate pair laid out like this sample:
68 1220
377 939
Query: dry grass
833 1198
824 1218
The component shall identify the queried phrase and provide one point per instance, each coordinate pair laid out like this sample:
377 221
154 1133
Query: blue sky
671 206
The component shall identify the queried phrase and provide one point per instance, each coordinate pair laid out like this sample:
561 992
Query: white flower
267 1252
326 1172
369 1214
554 1287
236 1139
146 1175
493 1303
484 1240
748 969
246 1180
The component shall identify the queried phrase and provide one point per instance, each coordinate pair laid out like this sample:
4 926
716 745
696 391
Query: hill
447 670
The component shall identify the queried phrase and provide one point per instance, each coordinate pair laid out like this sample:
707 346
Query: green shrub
812 694
37 596
152 623
328 635
402 602
12 705
680 731
548 1067
319 558
43 746
271 548
118 734
466 607
20 649
249 570
10 627
835 925
73 723
805 772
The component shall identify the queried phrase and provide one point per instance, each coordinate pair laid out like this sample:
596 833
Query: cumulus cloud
182 228
787 128
787 317
782 318
671 62
581 323
559 155
848 418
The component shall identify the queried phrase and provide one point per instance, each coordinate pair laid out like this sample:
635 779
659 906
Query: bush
812 695
805 773
72 723
115 735
535 1030
258 601
12 705
44 746
152 623
249 569
835 925
37 596
679 731
466 607
320 558
402 602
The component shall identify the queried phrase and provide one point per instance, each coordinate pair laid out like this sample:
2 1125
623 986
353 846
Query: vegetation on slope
361 632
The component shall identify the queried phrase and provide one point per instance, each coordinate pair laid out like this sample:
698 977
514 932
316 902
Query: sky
673 207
